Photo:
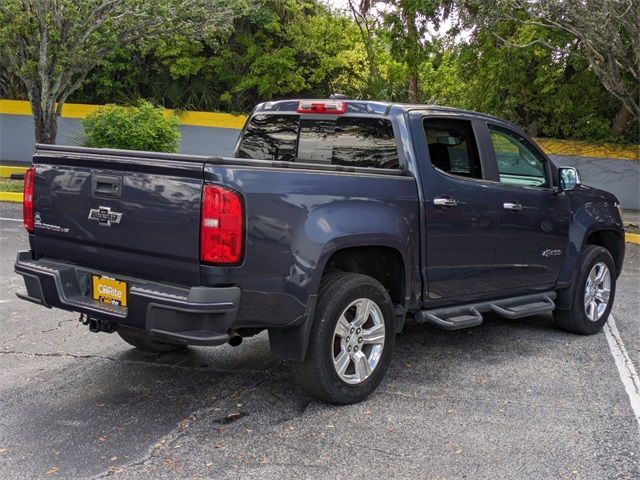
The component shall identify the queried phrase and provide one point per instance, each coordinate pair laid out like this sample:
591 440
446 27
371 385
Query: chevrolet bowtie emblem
105 216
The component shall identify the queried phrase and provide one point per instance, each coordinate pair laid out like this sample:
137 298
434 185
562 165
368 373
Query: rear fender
361 224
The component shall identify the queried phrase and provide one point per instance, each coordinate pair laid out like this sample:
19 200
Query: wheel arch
382 261
603 235
613 241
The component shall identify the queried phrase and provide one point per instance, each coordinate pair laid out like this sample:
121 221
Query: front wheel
352 340
593 294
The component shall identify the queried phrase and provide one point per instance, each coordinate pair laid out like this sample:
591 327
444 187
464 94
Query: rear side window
349 141
452 147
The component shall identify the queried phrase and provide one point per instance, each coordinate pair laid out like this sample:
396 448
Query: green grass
7 185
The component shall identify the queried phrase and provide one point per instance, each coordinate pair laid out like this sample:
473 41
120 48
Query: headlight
619 209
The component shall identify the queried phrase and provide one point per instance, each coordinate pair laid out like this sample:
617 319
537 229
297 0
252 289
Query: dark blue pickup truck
333 221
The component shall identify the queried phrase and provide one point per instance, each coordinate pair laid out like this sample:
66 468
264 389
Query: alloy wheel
597 291
358 341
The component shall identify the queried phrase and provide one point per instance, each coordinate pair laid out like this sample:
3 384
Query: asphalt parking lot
508 399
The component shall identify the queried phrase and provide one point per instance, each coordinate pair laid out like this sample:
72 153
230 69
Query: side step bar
519 310
453 318
468 315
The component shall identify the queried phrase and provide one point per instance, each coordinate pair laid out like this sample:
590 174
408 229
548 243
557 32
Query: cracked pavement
508 399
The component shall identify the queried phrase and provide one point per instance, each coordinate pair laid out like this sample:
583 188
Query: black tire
576 320
317 374
147 344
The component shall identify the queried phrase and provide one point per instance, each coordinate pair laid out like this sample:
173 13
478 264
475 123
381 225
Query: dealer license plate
109 290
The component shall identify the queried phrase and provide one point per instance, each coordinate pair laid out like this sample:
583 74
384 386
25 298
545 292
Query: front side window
349 141
452 147
518 162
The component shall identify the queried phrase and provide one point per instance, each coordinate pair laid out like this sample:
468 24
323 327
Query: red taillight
27 199
221 234
321 107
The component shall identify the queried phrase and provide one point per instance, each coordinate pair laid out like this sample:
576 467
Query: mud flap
291 343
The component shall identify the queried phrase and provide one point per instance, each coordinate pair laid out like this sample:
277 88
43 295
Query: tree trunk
371 58
413 51
45 120
621 122
360 16
413 87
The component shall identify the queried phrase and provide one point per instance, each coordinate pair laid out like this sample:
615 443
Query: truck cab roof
369 107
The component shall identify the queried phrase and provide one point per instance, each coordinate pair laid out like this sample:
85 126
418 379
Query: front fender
595 215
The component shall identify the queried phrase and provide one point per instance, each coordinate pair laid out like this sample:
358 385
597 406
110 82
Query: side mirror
569 178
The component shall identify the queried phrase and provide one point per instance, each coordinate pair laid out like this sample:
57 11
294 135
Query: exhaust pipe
234 339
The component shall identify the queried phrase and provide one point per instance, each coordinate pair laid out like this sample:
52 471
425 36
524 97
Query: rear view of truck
172 250
121 239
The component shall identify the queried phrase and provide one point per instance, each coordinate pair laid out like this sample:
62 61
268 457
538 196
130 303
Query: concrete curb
11 197
632 238
7 171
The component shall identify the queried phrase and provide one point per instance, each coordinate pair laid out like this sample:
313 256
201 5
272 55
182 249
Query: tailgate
121 212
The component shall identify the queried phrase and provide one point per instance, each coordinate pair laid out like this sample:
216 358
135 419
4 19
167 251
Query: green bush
143 127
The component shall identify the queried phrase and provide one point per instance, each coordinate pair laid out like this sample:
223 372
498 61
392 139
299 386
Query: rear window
349 141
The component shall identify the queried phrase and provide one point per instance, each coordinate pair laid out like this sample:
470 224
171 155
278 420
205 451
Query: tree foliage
279 48
52 45
547 91
412 27
605 32
531 61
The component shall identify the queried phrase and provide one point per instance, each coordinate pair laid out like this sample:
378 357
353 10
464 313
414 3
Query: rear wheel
593 294
147 344
351 341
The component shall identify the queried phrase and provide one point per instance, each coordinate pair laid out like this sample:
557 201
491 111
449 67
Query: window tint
270 137
518 162
452 147
351 141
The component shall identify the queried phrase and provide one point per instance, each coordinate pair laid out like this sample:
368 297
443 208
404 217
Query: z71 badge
104 216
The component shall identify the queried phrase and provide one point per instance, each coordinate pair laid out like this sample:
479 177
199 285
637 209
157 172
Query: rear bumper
196 315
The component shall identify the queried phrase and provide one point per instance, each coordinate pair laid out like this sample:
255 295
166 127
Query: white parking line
625 366
11 219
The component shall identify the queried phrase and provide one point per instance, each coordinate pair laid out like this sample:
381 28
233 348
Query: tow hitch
98 324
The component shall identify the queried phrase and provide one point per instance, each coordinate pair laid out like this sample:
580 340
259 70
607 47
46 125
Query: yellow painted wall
76 110
585 149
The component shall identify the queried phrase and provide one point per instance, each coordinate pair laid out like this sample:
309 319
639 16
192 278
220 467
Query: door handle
512 206
445 202
106 186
